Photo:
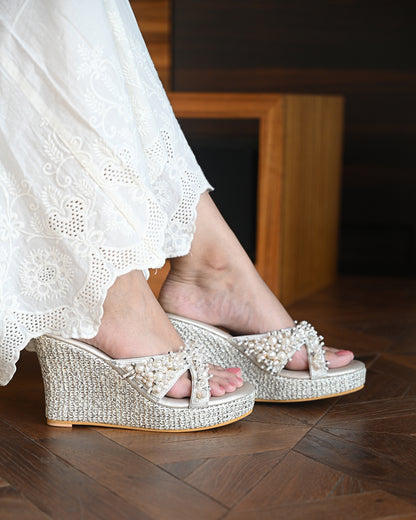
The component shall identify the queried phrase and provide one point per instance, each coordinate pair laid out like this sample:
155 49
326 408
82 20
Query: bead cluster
157 374
272 351
200 381
318 366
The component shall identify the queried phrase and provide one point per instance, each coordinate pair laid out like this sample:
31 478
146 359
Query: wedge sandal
262 358
84 386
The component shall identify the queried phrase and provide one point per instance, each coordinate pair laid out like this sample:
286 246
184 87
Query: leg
134 325
218 284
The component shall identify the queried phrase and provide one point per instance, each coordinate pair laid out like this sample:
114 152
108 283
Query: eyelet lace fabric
96 177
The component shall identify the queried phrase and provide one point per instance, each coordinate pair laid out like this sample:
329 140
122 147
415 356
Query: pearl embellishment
273 350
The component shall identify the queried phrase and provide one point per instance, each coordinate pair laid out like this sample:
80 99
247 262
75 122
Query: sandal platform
84 386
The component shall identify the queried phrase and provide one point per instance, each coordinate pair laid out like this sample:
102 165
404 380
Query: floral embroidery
10 226
45 274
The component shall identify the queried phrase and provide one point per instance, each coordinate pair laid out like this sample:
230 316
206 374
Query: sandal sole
310 398
68 424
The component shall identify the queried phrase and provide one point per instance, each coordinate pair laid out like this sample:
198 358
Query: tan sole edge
310 398
68 424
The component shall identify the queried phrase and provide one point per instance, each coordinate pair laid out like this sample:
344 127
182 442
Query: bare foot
218 284
134 325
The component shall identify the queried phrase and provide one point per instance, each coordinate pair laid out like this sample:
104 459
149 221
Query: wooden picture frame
299 178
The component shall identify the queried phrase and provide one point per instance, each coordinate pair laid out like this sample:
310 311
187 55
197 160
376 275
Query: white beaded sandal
84 386
262 358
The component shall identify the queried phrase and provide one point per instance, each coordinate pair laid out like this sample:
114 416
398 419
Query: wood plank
398 366
348 485
297 479
399 446
380 386
386 426
110 467
312 154
406 342
130 476
13 506
241 438
382 310
360 462
341 336
182 468
294 35
375 505
157 278
3 483
228 479
307 413
154 19
381 409
296 80
270 198
45 480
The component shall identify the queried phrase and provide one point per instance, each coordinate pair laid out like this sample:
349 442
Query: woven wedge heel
262 358
84 386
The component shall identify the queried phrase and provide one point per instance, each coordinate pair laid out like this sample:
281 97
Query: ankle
197 268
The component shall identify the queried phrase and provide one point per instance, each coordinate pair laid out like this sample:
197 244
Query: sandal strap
271 351
155 375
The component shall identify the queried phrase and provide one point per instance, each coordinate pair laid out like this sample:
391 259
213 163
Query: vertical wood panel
311 193
154 19
269 244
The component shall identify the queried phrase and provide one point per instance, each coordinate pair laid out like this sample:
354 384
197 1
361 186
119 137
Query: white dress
96 178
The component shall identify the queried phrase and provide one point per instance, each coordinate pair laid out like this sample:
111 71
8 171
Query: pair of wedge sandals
85 386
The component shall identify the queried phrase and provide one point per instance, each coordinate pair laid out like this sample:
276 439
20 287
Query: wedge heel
84 386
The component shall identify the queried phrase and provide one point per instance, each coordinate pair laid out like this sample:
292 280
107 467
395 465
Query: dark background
361 49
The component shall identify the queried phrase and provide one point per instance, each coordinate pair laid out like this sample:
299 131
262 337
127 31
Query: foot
235 308
134 325
218 284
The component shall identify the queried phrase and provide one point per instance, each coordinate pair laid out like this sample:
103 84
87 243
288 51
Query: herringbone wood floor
352 457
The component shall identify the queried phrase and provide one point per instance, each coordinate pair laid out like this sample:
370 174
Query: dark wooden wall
362 49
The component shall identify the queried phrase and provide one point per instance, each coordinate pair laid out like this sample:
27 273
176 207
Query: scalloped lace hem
79 320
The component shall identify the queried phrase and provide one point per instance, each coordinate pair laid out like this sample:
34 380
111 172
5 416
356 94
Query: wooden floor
352 457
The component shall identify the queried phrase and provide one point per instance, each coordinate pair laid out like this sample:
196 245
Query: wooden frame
299 173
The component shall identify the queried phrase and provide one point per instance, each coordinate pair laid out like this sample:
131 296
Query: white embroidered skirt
96 178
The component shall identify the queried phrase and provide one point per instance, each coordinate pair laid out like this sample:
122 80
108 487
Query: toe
299 360
216 388
227 379
235 370
224 383
182 388
338 358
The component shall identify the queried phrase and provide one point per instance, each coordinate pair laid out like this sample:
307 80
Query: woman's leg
218 284
134 325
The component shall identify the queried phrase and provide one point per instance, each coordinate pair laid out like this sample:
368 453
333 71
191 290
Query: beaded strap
272 351
156 375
